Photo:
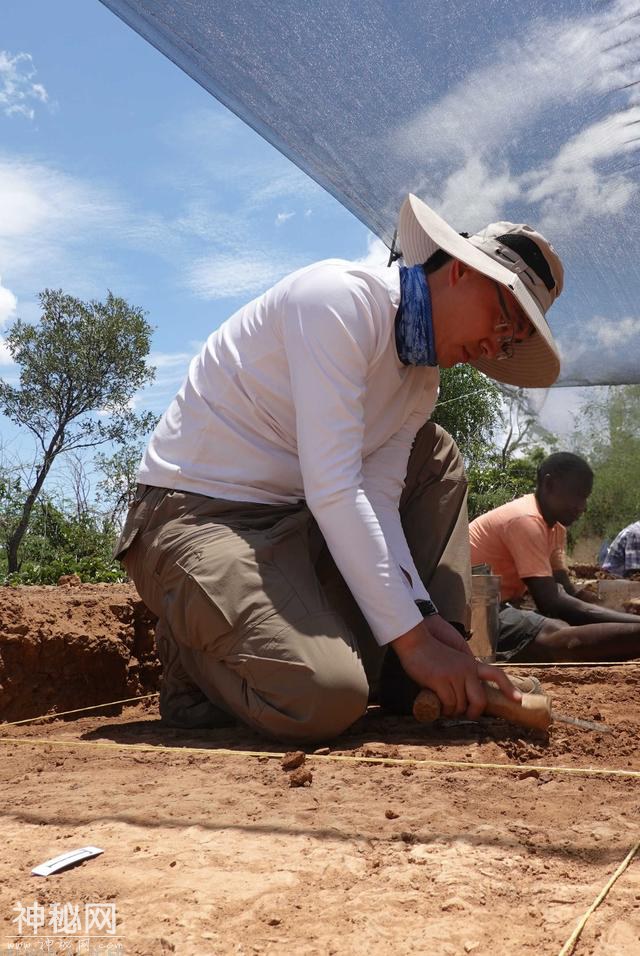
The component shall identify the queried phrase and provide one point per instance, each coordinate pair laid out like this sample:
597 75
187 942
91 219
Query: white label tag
66 859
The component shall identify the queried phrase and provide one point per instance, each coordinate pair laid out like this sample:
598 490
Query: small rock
322 751
391 814
69 580
300 778
453 903
274 921
173 863
529 773
293 760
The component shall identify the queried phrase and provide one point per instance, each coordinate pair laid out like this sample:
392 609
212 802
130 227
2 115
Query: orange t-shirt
516 542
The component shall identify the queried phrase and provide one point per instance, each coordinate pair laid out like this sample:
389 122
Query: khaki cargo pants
255 621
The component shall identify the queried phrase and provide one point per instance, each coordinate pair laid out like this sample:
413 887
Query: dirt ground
451 839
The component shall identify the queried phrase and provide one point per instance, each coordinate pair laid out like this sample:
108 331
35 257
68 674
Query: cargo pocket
191 606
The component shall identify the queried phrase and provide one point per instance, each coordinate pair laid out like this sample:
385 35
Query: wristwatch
426 608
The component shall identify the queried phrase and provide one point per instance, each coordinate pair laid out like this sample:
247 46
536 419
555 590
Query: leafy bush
58 541
491 484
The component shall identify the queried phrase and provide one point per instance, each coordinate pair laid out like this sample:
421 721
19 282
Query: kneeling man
295 501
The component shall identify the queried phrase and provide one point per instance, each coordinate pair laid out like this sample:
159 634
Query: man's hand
587 595
445 632
434 655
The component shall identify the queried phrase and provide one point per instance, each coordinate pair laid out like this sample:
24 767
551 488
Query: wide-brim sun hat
517 257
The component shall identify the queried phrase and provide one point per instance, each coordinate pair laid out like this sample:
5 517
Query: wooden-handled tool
534 710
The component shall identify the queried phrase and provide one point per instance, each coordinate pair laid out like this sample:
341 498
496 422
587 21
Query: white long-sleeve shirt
301 395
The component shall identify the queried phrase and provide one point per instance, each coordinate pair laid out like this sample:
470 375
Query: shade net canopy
486 109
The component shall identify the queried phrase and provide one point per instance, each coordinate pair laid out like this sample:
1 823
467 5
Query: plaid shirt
623 556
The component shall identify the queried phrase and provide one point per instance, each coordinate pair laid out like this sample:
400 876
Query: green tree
469 407
495 481
491 423
116 488
79 368
60 541
522 430
607 434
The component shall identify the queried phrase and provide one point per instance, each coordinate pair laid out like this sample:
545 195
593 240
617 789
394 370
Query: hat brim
535 362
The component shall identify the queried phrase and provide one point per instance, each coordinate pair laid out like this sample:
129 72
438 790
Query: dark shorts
517 629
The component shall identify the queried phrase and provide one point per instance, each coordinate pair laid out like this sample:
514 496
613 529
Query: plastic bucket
485 604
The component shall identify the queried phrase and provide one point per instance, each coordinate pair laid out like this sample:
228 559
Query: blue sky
117 171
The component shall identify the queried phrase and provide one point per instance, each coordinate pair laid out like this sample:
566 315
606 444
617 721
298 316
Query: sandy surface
213 852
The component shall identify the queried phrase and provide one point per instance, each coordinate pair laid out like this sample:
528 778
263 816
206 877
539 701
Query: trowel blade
583 724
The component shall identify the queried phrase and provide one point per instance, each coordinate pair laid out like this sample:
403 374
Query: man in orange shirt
524 542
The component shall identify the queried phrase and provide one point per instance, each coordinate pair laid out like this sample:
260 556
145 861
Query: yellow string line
589 664
130 700
79 710
570 945
345 758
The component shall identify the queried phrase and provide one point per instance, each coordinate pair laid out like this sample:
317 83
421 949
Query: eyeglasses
512 327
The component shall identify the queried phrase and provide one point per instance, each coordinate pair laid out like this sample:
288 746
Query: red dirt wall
73 646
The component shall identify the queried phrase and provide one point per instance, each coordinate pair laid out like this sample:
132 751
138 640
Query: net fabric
485 110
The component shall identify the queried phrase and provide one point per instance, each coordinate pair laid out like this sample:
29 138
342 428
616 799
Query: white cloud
224 276
230 154
573 186
170 360
610 334
474 196
471 143
552 62
5 354
60 230
272 183
17 90
603 344
377 253
171 370
8 304
46 217
67 227
558 408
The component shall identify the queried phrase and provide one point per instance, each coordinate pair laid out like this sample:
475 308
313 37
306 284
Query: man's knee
435 445
551 632
326 707
309 689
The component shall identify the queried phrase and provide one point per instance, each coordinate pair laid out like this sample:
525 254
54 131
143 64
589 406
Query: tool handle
533 711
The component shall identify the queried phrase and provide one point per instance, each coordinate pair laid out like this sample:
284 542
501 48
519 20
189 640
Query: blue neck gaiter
414 327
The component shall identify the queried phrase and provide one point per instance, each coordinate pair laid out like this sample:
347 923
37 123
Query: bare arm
552 601
561 576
